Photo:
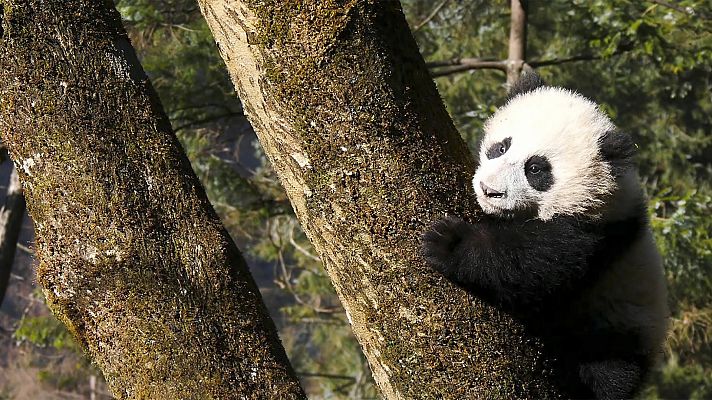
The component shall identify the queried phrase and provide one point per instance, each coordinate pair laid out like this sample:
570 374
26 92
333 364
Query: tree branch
685 10
462 62
11 216
458 65
329 376
211 118
432 15
465 64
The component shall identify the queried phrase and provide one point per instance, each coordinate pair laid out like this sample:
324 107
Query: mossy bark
352 123
132 258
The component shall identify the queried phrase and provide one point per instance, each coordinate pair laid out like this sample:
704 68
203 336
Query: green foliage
683 228
476 29
53 353
59 381
45 331
681 382
178 52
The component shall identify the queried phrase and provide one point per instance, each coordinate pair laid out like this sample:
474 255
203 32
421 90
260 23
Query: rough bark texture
344 107
10 225
132 258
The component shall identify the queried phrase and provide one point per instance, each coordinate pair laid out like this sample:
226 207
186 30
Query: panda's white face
541 157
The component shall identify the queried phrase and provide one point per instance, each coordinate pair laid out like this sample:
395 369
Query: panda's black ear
527 82
618 149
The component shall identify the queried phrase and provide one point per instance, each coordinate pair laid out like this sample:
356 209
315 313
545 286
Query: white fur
562 126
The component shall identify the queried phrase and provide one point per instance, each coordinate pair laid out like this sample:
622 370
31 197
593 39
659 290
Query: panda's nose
489 192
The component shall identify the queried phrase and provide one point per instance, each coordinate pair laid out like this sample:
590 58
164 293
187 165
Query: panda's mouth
491 193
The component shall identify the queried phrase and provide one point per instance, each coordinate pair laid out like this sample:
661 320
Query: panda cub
564 243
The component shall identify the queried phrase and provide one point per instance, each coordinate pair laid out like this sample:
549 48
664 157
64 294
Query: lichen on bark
352 123
132 258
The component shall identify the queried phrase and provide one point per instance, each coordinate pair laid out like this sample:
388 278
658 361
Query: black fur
618 236
538 173
498 149
627 376
537 269
527 82
518 264
618 149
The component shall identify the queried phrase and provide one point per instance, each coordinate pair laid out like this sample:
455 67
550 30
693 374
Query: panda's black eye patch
499 148
538 172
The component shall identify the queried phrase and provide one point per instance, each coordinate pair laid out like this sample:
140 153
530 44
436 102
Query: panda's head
549 151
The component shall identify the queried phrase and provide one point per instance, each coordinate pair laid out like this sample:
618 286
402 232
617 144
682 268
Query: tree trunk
132 258
517 40
10 225
352 123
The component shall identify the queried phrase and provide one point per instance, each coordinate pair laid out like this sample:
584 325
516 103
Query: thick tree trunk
344 107
10 225
132 257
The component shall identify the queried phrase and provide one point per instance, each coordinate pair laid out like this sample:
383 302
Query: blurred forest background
649 63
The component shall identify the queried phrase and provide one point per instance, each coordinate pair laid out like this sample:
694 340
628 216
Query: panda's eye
539 173
498 149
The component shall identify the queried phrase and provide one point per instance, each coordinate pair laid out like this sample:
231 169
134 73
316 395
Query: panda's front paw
441 242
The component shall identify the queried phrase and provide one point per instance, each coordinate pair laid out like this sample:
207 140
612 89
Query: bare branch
297 246
469 64
685 10
25 249
284 281
209 119
459 61
330 376
432 15
458 65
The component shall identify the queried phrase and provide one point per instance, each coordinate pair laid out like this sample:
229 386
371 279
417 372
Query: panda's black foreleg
511 263
612 379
